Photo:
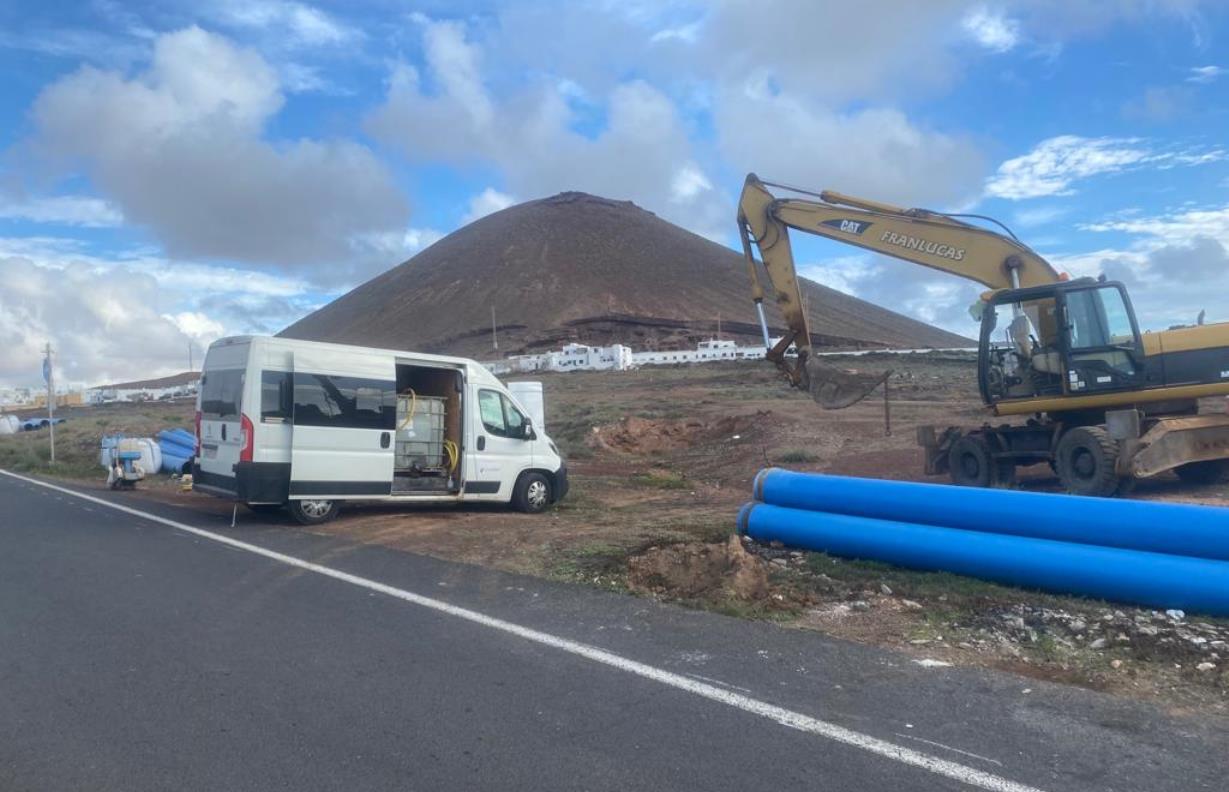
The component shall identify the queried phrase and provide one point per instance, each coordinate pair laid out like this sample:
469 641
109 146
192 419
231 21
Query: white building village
618 357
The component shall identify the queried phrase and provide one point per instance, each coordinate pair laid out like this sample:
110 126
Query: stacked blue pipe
1154 554
178 447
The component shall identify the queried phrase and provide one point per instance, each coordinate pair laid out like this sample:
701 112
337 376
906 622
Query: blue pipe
1178 529
1151 579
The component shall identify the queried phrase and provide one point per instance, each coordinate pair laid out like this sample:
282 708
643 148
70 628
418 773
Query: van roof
475 370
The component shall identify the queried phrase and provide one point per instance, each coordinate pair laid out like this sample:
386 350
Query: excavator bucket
836 388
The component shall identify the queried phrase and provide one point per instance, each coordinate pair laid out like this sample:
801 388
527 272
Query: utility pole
49 376
494 338
719 325
190 356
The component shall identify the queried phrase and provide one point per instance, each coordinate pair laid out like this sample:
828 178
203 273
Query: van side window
492 411
499 416
276 396
221 393
349 402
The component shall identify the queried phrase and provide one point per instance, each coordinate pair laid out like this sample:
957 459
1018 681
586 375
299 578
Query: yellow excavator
1100 401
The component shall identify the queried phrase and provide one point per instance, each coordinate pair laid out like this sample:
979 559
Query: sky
177 171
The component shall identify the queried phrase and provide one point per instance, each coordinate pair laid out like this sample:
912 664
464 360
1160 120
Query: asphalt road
138 655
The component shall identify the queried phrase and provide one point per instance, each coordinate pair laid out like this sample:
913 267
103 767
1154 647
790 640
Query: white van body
284 421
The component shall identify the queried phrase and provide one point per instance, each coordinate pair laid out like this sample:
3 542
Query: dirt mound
576 267
692 571
649 436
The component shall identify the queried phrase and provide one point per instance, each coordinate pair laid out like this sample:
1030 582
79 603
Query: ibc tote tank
529 394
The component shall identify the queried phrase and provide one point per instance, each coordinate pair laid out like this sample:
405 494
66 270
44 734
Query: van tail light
247 436
198 433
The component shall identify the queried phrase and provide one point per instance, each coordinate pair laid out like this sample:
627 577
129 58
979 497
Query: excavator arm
927 238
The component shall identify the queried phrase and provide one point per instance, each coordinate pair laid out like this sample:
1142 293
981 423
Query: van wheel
532 493
314 512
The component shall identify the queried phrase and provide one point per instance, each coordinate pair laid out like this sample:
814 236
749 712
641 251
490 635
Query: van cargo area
428 437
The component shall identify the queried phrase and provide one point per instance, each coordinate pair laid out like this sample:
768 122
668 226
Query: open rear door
345 411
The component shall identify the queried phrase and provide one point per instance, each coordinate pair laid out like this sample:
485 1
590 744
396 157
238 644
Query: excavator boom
928 238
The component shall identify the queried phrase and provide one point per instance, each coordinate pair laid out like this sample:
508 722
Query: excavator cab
1067 338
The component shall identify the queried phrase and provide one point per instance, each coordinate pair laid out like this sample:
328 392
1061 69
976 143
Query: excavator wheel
1213 471
1086 458
971 462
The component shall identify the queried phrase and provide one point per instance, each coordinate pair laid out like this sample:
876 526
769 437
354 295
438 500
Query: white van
304 424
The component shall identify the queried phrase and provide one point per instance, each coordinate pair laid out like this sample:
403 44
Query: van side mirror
527 432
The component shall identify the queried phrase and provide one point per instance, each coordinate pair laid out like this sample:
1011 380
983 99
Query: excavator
1103 403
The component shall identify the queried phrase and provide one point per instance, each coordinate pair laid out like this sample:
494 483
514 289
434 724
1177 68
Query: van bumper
253 482
263 482
561 483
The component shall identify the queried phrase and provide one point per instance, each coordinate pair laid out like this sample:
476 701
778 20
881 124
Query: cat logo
855 227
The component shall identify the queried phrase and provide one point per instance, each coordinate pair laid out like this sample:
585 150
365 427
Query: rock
1148 630
1078 626
780 562
1218 645
909 604
1100 643
860 605
1206 667
795 554
1175 614
885 589
1115 663
1016 623
776 544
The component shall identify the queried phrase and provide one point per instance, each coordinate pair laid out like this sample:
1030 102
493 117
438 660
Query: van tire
313 512
532 493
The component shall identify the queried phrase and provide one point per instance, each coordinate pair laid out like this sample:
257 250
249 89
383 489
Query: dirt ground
660 460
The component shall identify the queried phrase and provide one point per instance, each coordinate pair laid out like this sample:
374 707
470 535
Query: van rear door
345 412
221 407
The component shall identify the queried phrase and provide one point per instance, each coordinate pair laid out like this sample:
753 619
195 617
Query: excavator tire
1085 458
1213 471
970 462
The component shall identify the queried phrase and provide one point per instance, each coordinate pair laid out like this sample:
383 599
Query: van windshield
222 393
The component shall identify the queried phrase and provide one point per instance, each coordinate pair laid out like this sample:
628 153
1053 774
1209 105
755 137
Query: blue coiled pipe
1177 529
1155 580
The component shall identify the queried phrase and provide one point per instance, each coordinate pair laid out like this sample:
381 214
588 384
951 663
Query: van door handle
481 442
384 439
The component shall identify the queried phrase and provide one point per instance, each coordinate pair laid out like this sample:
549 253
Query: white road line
794 720
950 748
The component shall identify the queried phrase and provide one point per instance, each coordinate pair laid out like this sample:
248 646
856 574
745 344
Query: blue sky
176 171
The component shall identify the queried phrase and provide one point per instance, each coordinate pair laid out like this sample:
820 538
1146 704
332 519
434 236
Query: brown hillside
584 268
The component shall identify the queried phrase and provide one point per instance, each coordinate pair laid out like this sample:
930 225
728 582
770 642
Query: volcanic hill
576 267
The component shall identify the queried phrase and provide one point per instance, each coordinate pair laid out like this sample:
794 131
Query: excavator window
1104 350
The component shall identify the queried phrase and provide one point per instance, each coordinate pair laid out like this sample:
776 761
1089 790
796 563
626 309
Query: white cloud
103 326
484 203
1038 216
76 210
197 326
530 137
178 148
1054 164
1205 74
876 152
299 23
1175 265
991 29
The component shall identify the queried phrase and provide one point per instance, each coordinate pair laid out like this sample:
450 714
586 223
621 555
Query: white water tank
9 424
529 394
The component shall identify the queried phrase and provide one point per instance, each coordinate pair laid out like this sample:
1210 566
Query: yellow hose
454 453
409 416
